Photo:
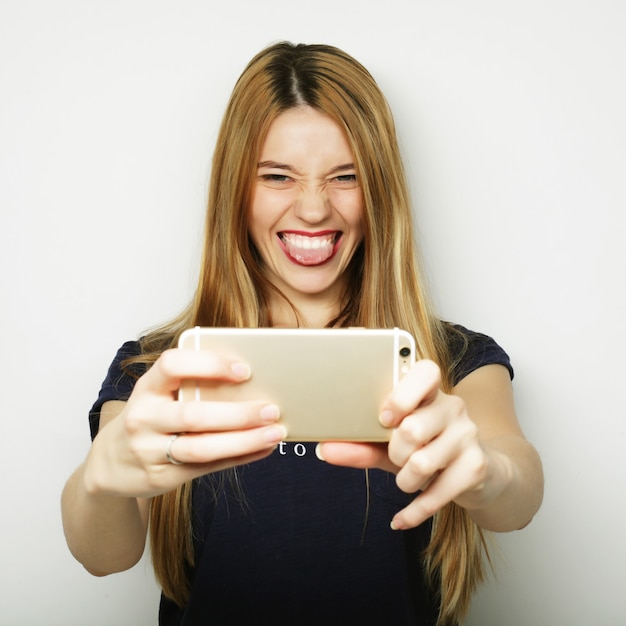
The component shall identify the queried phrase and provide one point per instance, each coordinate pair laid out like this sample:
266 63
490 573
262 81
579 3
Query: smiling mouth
309 249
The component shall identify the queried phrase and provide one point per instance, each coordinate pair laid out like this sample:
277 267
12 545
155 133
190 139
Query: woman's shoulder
119 381
469 349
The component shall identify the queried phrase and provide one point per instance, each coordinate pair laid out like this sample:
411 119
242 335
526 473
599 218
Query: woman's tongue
309 250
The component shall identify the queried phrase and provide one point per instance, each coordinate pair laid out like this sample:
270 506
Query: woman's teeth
309 250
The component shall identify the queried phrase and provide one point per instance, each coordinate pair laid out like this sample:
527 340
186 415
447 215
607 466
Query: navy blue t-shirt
300 541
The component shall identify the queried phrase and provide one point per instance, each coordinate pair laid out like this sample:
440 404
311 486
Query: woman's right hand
128 456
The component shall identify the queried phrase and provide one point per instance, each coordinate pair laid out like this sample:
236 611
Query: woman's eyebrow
284 166
341 168
275 165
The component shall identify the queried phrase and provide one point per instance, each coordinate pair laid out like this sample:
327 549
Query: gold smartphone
328 383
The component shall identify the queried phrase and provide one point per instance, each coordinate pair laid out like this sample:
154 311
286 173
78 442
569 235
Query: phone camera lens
405 352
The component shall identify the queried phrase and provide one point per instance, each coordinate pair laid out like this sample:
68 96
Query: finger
414 432
212 447
426 462
175 365
196 469
418 387
203 416
456 439
444 488
360 455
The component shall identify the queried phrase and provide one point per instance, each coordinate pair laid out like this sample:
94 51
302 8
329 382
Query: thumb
360 455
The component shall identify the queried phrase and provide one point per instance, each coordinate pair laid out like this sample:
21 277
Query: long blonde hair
385 286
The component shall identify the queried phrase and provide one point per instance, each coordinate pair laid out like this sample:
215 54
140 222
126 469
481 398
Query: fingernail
241 370
318 452
270 413
385 418
396 525
275 434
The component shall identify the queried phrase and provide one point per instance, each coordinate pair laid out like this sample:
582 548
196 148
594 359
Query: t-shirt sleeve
118 384
470 350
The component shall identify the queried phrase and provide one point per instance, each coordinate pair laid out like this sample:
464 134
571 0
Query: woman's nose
313 206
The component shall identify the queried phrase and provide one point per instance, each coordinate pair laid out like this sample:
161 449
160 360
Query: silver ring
168 450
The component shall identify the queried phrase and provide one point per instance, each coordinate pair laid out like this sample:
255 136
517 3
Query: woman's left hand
434 449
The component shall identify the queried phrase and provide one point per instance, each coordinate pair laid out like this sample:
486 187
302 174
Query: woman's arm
512 491
105 501
106 533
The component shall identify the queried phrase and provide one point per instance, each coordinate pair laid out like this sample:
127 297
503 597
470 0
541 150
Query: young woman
308 225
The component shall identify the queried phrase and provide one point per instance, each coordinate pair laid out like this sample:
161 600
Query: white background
512 122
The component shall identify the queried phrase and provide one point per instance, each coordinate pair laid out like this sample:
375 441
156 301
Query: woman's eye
275 178
346 180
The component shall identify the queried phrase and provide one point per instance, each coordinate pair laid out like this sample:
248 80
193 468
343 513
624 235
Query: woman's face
306 212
